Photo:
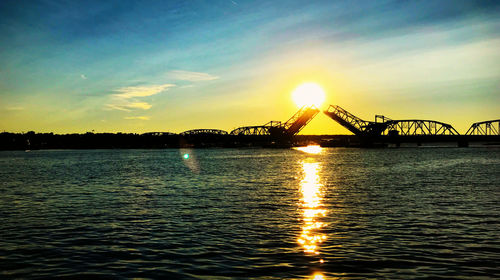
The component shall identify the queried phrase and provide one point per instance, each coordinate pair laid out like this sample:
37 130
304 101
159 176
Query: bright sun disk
308 94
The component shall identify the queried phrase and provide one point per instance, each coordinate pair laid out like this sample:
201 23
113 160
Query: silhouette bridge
385 130
382 131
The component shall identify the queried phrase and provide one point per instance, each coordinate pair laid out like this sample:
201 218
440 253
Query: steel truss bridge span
418 128
259 130
485 128
204 132
354 124
276 128
367 129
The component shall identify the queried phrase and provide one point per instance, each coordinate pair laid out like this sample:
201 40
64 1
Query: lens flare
189 159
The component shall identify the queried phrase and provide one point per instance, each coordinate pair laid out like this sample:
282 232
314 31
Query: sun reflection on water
318 276
312 194
311 149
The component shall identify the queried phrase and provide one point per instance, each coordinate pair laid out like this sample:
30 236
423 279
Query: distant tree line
152 140
89 140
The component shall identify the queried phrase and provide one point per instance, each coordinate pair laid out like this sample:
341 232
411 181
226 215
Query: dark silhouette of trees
89 140
154 140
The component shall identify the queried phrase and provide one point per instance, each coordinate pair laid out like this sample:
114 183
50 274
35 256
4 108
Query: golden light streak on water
311 149
318 276
312 194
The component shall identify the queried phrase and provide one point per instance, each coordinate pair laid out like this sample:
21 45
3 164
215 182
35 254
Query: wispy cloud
138 105
191 76
127 98
83 76
131 92
142 118
14 108
117 107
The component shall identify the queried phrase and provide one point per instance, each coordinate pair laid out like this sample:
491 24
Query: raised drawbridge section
300 119
276 128
486 128
388 126
354 124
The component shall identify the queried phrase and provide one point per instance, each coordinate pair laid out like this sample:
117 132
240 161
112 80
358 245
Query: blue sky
138 66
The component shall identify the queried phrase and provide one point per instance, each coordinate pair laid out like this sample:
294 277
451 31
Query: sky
170 66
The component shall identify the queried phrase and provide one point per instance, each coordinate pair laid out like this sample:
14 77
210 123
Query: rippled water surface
251 213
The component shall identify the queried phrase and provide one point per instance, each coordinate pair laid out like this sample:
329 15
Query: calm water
251 213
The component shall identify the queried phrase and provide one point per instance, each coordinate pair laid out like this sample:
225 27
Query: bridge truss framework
276 128
203 132
485 128
388 126
418 128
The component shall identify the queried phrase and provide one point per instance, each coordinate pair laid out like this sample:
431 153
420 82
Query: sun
308 94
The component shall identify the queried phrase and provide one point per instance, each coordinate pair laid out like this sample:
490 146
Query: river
308 213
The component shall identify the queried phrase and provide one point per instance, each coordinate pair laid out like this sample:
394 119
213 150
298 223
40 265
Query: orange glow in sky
99 74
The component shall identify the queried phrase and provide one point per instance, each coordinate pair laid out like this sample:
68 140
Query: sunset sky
139 66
